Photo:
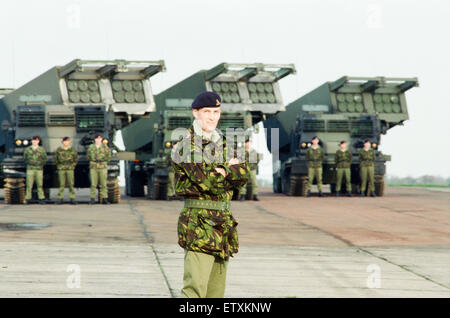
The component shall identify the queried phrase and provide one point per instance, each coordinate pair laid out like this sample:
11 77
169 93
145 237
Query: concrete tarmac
393 246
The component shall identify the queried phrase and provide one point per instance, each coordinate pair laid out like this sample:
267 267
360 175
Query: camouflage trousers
253 183
367 175
204 275
66 178
98 176
340 174
317 173
32 177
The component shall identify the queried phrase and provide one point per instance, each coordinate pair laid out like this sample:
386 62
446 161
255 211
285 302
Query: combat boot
349 194
41 202
338 194
255 198
105 201
92 201
60 201
320 194
242 198
362 194
373 195
308 194
72 201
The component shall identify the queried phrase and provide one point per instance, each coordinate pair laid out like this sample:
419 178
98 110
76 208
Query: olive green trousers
253 184
340 174
171 183
98 176
367 175
317 173
66 178
204 276
32 177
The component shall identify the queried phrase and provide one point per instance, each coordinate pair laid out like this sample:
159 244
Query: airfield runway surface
394 246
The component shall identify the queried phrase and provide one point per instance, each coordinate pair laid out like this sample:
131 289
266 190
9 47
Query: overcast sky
324 39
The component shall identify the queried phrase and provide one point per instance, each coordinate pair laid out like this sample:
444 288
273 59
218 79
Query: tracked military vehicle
78 100
351 109
249 93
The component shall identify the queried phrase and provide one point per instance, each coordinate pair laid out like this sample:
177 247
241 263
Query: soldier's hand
221 171
233 161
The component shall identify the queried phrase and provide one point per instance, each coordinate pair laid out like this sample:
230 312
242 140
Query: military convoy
352 109
249 93
79 100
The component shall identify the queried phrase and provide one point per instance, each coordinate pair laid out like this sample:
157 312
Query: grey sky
325 40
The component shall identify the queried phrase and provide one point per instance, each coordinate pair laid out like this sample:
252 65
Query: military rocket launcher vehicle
249 92
78 100
352 109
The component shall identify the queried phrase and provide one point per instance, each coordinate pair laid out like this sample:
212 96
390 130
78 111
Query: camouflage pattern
98 156
205 230
343 159
66 159
314 157
366 158
35 158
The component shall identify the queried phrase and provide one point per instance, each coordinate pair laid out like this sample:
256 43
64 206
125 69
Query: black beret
206 99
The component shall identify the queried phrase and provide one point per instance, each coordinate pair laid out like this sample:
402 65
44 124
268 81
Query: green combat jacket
314 157
343 159
35 159
199 229
366 158
66 159
98 157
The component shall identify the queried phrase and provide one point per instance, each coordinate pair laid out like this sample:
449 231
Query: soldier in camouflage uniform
35 158
314 159
66 158
343 160
206 177
252 160
98 155
366 169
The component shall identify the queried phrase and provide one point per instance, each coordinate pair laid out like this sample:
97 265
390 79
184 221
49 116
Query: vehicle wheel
379 185
14 190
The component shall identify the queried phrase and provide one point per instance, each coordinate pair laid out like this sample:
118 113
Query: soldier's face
315 142
367 145
66 143
207 117
98 140
343 146
35 142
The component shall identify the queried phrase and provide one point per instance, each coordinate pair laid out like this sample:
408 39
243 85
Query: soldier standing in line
35 158
206 177
343 159
314 159
98 155
66 158
252 160
366 168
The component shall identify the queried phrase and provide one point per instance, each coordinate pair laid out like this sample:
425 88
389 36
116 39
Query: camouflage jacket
35 159
205 230
66 159
98 157
343 159
366 158
314 157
